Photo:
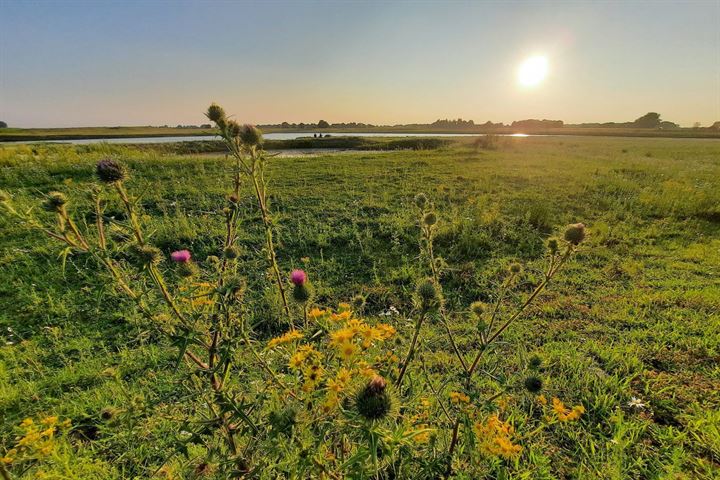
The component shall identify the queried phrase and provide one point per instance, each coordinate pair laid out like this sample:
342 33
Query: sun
532 71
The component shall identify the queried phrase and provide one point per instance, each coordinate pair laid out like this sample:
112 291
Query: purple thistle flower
181 256
298 277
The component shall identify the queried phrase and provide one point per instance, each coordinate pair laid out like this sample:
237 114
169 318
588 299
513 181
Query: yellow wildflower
316 313
458 397
297 360
347 350
422 437
565 414
341 316
366 370
344 307
49 420
343 376
494 437
285 338
356 326
384 331
331 402
27 422
341 336
541 399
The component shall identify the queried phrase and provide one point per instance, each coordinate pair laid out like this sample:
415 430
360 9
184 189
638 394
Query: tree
323 124
3 125
649 120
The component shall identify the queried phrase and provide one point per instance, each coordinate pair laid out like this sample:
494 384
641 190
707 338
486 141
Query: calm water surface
269 136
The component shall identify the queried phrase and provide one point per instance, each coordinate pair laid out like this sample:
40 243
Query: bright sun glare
532 71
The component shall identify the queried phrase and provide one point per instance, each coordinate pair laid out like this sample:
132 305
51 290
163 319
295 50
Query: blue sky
82 63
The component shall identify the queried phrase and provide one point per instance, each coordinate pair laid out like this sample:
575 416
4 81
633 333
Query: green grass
635 313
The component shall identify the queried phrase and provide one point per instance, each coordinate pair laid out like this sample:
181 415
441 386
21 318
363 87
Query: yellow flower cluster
495 437
284 338
343 340
36 441
459 398
565 414
335 387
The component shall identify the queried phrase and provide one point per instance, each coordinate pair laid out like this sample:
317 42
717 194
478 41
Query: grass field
636 313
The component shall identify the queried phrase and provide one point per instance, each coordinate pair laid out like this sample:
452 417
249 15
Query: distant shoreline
90 133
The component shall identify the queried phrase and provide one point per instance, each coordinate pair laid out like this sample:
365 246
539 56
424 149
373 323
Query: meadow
629 329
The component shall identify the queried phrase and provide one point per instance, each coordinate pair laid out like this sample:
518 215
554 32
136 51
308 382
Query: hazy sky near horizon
155 62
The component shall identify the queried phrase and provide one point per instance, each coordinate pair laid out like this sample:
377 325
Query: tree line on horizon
651 120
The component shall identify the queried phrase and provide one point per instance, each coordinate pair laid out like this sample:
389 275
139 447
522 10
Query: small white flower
393 311
636 403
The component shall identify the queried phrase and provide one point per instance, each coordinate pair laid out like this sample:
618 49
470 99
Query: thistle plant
244 144
492 322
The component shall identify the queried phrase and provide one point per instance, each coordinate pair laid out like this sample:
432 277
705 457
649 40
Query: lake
268 136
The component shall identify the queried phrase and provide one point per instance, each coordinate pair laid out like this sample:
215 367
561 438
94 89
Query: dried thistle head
575 233
110 171
55 201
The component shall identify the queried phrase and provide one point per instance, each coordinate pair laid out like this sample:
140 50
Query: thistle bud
147 255
55 201
374 402
533 384
110 171
232 252
187 269
430 219
250 135
233 128
215 113
234 286
428 294
478 308
421 200
301 293
515 268
535 362
575 233
358 302
553 246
